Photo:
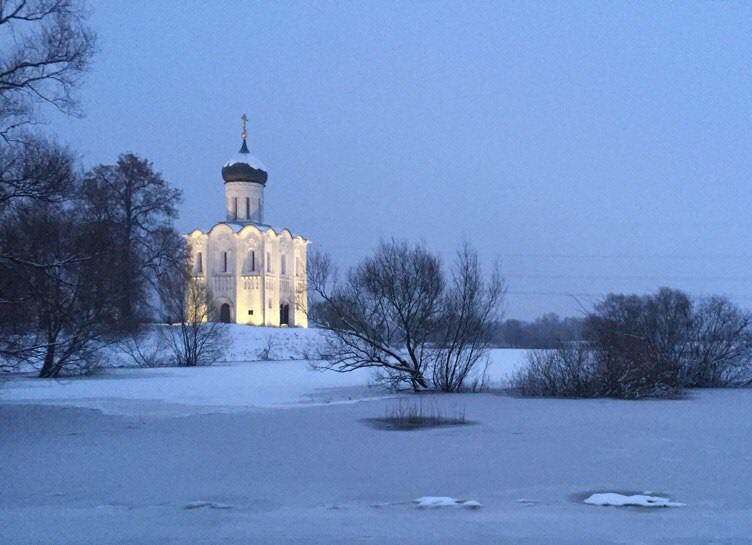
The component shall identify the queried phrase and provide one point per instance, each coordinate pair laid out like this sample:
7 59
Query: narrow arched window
235 208
224 261
283 265
199 263
268 262
252 260
247 208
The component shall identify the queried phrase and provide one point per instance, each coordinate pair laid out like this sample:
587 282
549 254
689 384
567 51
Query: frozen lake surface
275 453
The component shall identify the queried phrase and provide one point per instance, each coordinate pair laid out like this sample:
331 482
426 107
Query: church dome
244 167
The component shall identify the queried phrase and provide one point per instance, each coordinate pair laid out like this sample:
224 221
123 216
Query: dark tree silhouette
138 206
53 292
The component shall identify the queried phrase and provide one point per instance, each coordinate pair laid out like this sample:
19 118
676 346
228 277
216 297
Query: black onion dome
244 167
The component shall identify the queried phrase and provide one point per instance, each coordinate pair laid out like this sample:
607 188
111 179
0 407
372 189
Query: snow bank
261 368
249 343
638 500
243 343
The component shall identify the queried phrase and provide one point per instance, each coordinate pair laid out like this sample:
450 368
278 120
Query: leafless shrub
569 371
721 351
194 338
641 343
647 346
267 348
145 348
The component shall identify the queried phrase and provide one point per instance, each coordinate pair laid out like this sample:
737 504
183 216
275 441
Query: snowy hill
248 343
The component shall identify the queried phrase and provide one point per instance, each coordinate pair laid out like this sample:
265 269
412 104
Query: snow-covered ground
278 453
238 382
243 343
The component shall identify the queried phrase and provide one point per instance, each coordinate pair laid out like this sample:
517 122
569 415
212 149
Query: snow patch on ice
430 502
637 500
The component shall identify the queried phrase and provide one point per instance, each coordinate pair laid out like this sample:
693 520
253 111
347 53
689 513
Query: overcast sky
592 146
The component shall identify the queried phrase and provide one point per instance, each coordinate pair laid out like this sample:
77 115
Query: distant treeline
547 331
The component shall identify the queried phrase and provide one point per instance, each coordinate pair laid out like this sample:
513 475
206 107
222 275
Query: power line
595 295
697 257
656 278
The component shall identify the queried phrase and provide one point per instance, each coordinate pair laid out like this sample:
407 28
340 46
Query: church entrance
224 313
284 314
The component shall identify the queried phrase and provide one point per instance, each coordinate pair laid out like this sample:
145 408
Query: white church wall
221 275
250 279
300 297
287 287
197 243
253 287
271 275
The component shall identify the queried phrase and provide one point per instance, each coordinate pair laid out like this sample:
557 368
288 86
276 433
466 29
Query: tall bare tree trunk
49 369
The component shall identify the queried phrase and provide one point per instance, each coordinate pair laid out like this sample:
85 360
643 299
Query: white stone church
256 274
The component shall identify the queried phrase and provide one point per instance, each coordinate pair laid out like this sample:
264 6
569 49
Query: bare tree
61 281
46 46
35 170
53 303
466 325
195 339
139 207
396 313
384 313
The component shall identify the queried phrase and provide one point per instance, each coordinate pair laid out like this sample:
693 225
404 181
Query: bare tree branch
47 47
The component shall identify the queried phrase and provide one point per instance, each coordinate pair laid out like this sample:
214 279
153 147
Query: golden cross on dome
244 134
